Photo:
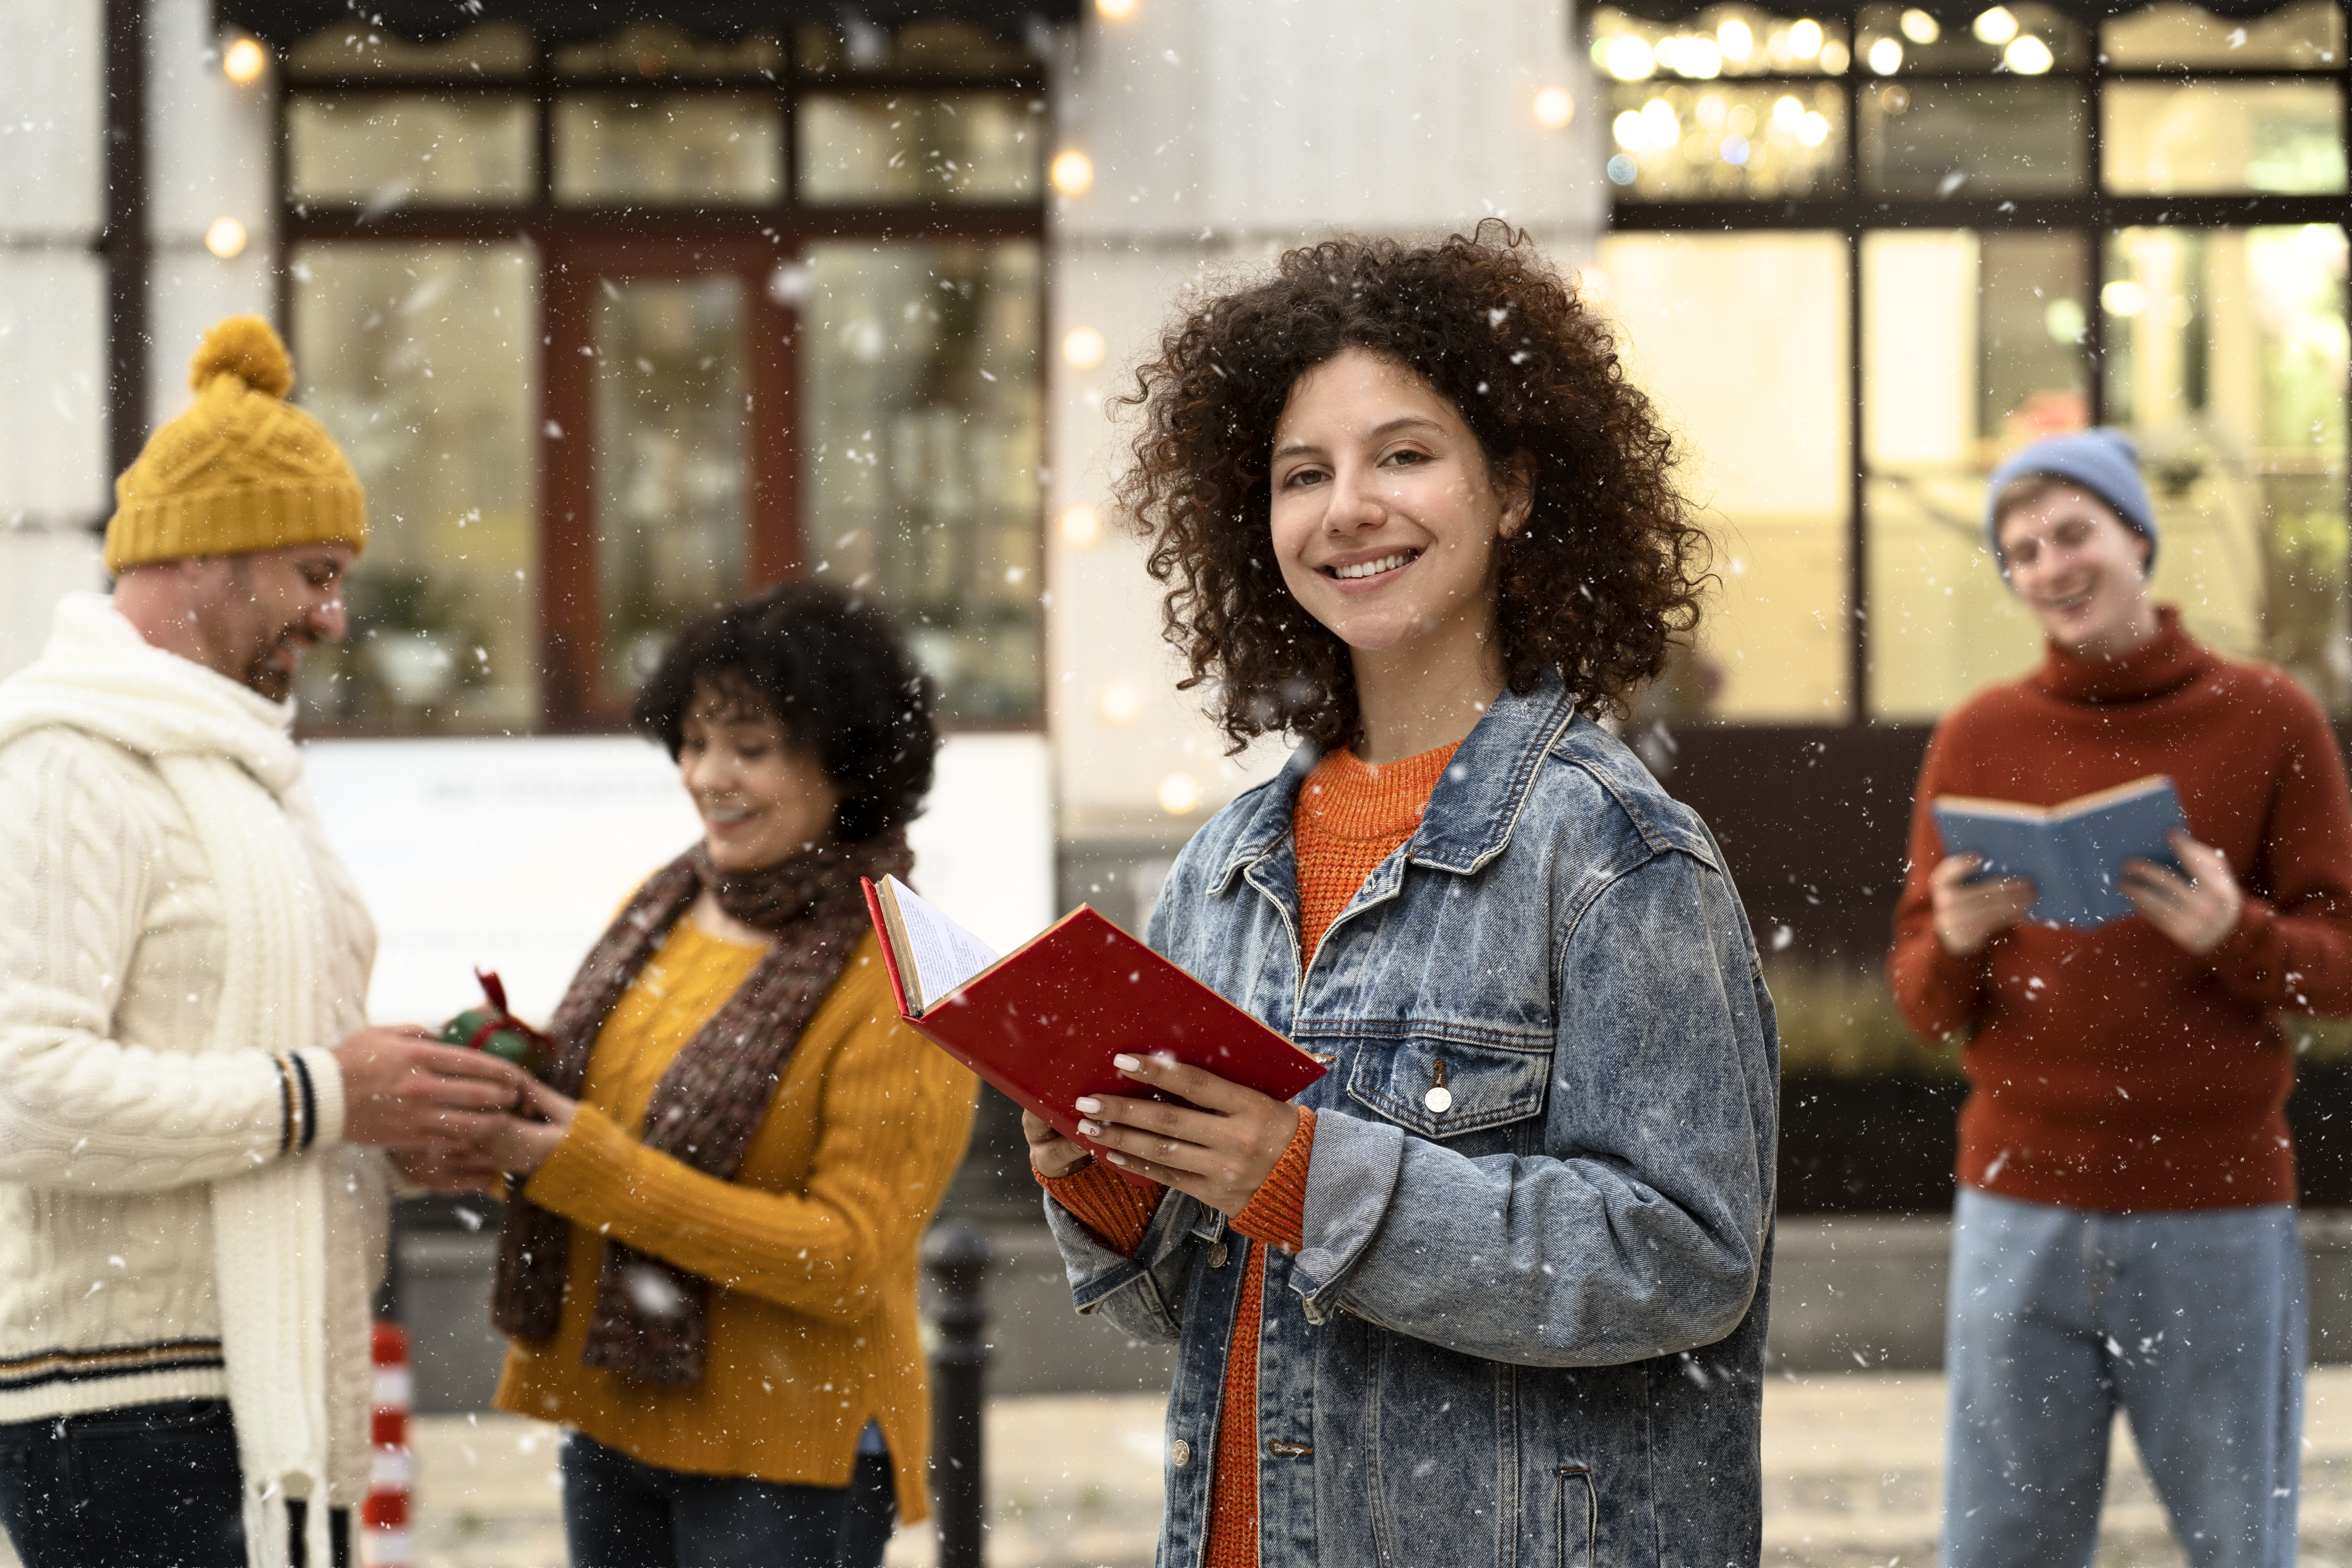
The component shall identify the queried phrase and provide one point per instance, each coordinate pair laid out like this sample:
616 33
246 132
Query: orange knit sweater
1351 817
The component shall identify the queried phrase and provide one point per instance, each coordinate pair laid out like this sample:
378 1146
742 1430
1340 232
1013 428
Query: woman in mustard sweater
708 1263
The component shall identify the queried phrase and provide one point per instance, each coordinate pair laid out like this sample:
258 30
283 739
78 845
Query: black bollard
956 1254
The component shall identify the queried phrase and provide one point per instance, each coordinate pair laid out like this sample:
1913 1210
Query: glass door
669 457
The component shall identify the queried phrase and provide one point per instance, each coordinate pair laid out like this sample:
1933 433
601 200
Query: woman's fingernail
1116 1159
1091 1129
1126 1064
1088 1105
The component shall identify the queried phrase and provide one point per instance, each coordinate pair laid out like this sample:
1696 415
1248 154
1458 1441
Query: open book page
939 954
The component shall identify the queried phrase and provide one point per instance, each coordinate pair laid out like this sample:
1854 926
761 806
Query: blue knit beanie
2103 462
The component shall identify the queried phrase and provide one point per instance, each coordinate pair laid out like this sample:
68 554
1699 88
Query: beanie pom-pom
247 348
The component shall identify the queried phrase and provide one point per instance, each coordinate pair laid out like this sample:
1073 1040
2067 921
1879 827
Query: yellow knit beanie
242 469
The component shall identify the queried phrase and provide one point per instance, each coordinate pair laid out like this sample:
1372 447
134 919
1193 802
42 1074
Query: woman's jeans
154 1485
2190 1322
621 1512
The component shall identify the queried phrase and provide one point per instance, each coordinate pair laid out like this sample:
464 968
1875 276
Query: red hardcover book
1042 1022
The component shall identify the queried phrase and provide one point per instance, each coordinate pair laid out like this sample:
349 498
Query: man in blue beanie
2124 1235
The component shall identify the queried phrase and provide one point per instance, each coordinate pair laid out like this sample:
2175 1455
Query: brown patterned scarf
650 1315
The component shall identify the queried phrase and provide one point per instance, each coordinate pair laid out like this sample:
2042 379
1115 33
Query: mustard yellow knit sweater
814 1245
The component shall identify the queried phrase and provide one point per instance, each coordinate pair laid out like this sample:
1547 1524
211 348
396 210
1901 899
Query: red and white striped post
383 1518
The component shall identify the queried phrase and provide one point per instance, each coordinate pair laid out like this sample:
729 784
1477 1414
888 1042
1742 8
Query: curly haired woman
709 1270
1493 1291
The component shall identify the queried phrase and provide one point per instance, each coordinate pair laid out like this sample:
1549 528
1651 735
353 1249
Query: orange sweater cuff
1117 1210
1276 1213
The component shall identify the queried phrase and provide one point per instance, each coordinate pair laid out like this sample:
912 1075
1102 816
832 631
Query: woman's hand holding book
1219 1148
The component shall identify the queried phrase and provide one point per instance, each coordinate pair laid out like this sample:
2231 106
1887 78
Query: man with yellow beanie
191 1203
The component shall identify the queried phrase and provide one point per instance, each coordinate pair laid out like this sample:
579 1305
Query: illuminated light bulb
225 237
1995 27
244 61
1920 27
1554 108
1083 347
1081 526
2123 298
1709 110
1736 39
1699 58
1073 173
1788 111
1121 704
1179 794
1659 124
1805 39
1115 10
1835 57
1629 59
2028 56
1884 57
1631 130
1813 130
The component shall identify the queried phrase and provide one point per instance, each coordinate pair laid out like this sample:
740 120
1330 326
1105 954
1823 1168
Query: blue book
2073 853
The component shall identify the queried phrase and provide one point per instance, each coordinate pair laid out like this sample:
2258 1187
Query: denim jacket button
1217 1255
1180 1452
1439 1099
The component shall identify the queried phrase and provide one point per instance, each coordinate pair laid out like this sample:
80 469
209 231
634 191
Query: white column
52 479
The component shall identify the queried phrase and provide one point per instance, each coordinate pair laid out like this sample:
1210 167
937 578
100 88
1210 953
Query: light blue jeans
2191 1321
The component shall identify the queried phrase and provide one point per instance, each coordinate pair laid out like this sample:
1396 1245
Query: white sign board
512 854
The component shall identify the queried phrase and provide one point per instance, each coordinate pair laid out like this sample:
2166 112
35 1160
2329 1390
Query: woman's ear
1515 487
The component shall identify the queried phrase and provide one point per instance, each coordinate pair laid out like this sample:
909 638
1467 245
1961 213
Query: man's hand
1970 914
404 1092
2199 912
1051 1155
1220 1153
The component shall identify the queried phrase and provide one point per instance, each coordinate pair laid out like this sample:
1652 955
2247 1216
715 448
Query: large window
617 332
1862 256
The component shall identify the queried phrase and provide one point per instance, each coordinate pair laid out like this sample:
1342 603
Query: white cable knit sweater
179 948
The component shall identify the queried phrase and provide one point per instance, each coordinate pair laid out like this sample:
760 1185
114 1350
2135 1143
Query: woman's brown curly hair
1603 578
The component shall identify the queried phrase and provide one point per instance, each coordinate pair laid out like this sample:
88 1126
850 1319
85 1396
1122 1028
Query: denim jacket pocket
1439 1087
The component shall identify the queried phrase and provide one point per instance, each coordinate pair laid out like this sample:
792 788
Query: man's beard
267 678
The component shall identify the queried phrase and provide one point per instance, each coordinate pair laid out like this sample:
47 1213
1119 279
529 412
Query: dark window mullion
2094 315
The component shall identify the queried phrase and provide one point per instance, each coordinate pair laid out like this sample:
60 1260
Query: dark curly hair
1601 581
834 673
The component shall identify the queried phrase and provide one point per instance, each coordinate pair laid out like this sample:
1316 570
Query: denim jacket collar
1474 806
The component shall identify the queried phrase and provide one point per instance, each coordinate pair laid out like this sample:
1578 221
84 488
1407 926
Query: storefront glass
1742 342
421 361
924 430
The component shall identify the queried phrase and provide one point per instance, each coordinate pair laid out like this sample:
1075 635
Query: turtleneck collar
2165 663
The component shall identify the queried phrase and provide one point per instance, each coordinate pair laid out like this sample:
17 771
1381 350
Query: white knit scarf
227 752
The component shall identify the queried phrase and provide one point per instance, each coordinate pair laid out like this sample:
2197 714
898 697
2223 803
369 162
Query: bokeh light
1180 794
225 237
244 61
1071 171
1083 347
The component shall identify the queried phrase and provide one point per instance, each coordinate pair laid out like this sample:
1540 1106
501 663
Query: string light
1072 173
1081 526
244 61
1083 347
1554 108
1179 794
1121 704
225 237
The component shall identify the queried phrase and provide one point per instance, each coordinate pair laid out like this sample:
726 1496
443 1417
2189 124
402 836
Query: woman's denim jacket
1528 1328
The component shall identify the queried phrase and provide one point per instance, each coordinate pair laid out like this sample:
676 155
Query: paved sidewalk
1074 1482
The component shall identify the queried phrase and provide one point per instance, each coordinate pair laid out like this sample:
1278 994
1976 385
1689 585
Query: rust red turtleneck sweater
2109 1070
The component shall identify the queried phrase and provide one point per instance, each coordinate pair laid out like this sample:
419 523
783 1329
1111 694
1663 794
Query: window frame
653 238
1852 213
